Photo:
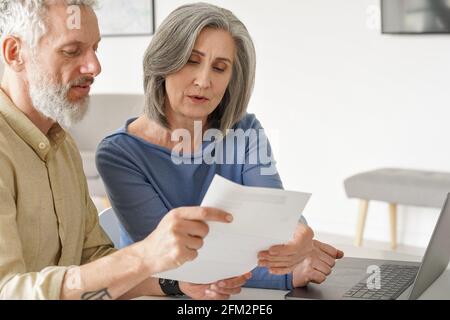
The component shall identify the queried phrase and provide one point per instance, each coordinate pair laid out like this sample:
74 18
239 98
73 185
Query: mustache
83 81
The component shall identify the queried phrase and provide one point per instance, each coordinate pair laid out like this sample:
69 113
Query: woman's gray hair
171 48
26 18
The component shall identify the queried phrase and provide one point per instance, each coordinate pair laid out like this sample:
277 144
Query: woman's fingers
330 261
280 264
211 294
318 277
281 271
283 249
328 249
321 266
272 258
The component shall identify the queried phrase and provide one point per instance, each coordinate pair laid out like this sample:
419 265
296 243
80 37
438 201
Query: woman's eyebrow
203 54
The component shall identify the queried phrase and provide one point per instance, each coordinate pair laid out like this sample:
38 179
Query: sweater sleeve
133 198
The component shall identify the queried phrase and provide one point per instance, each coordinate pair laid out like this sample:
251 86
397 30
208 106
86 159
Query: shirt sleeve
260 171
15 281
134 199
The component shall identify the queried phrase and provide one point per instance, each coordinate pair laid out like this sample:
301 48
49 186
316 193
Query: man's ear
12 53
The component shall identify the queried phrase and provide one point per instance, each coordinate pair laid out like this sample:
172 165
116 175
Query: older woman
199 72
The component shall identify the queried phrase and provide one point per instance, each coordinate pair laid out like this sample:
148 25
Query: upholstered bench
396 186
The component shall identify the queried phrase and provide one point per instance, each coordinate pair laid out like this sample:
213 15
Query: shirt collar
25 129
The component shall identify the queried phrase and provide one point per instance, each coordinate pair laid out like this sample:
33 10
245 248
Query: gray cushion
95 183
90 169
96 187
106 114
401 186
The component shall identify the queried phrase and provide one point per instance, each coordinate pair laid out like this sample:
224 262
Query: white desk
440 289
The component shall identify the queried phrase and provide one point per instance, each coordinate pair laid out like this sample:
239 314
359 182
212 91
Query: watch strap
170 287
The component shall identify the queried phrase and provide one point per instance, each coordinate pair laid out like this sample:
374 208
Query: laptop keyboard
394 280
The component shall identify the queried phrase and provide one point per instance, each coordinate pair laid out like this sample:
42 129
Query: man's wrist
145 266
182 286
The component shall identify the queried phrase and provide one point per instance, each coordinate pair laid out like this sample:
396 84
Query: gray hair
171 48
26 18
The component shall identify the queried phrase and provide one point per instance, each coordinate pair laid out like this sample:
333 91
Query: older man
51 245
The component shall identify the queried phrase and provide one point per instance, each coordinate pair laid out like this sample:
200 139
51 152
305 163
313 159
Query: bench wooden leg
363 207
106 202
393 218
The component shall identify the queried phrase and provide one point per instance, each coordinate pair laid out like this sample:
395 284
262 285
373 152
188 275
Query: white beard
51 100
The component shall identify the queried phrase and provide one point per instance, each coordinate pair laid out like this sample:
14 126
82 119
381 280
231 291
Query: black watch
170 287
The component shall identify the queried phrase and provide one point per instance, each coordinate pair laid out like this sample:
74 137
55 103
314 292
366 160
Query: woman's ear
12 53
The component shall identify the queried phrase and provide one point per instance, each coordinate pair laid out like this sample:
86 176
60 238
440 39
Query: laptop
375 279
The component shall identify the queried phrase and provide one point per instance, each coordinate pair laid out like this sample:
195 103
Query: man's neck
21 99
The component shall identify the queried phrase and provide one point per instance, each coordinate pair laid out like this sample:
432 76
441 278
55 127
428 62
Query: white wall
343 98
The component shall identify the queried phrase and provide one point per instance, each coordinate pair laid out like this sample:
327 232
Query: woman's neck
178 121
187 134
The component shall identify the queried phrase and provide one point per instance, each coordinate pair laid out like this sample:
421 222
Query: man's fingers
191 254
193 243
211 294
229 291
213 214
230 286
196 228
204 214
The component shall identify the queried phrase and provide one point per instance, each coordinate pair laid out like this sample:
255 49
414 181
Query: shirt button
42 146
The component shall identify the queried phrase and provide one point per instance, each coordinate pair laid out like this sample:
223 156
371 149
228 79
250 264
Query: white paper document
262 217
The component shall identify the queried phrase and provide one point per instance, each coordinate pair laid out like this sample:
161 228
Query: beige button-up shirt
47 219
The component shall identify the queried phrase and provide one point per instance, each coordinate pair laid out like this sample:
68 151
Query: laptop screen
437 255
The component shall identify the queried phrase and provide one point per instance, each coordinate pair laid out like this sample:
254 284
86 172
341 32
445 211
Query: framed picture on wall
119 18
